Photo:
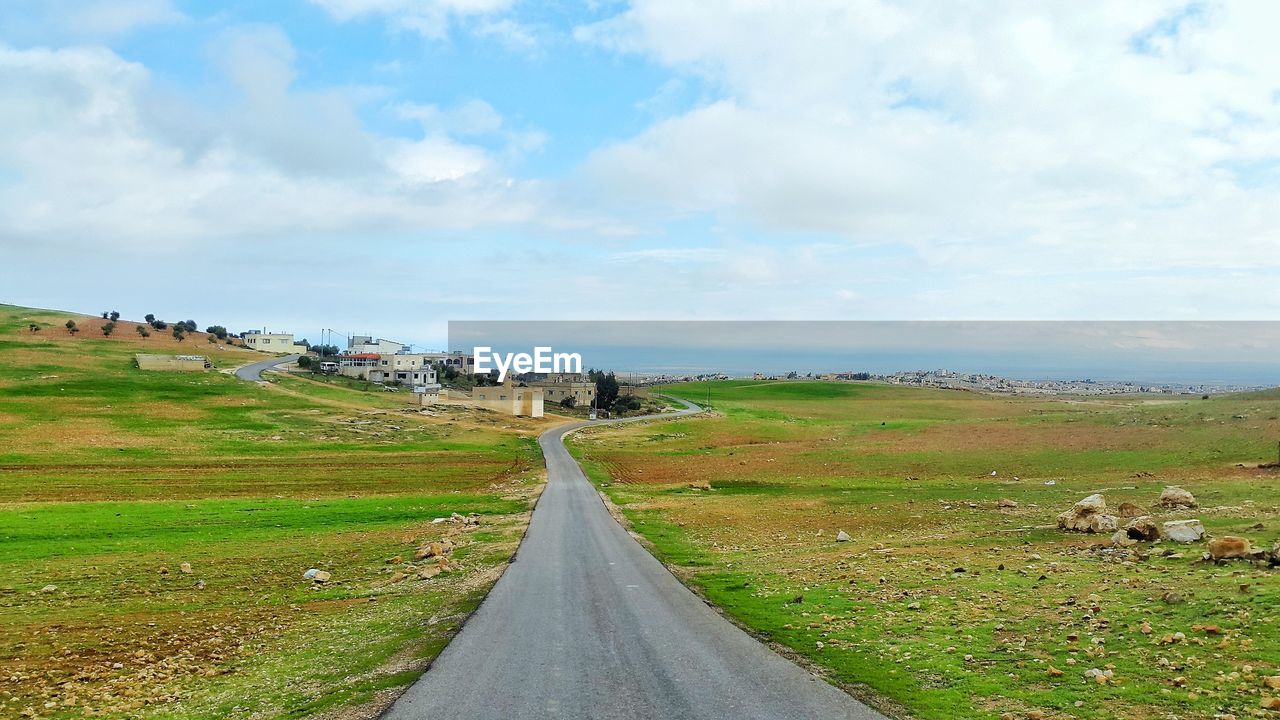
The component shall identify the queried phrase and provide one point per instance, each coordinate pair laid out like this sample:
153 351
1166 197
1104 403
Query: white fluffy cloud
991 139
93 150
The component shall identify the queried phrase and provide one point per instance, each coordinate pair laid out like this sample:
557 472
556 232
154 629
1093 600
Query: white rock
1175 497
843 536
1183 531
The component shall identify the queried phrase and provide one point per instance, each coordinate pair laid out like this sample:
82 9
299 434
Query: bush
115 315
627 402
108 328
179 332
569 402
304 361
71 327
143 331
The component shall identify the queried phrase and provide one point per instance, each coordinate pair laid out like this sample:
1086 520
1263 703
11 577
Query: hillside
155 528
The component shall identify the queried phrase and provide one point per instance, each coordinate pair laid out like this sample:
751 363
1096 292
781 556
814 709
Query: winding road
587 624
253 371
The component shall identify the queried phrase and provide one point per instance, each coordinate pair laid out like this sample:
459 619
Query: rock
1120 538
1087 516
1183 531
310 574
699 485
1175 497
429 572
1230 547
843 536
1172 598
1007 503
395 560
1103 523
321 576
1129 510
185 568
1055 672
397 577
164 570
49 589
1142 528
433 549
1271 703
1271 682
1093 504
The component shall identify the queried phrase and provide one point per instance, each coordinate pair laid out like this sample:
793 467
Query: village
427 377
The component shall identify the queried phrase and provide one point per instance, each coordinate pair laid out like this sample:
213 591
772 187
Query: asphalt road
586 624
253 371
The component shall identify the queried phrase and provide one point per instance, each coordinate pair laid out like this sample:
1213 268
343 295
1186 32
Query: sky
386 166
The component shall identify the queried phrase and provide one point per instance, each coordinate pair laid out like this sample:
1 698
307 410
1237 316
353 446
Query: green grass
114 477
906 472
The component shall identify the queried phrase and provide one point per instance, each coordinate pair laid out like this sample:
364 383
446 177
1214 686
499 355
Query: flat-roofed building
268 342
509 399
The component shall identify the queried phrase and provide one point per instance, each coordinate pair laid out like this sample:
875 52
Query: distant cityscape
981 382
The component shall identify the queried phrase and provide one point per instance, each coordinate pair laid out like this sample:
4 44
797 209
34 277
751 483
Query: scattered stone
1120 538
1129 510
1271 682
1183 531
1271 703
397 577
310 574
185 568
1143 529
1175 497
429 572
1055 672
395 560
321 576
164 570
843 536
1172 598
49 589
1007 503
1230 547
433 549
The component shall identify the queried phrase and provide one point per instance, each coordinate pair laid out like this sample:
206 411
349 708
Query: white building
365 344
268 342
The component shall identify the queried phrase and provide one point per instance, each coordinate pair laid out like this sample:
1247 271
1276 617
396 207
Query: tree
218 330
569 402
34 327
143 331
108 328
188 325
149 318
606 387
159 324
106 315
180 332
304 361
115 315
71 327
326 350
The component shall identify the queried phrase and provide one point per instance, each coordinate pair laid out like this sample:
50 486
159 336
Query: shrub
304 361
143 331
115 315
569 402
71 327
108 328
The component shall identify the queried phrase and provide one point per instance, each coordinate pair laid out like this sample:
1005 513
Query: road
587 624
253 371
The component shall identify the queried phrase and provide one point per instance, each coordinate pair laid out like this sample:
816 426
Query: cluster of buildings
386 361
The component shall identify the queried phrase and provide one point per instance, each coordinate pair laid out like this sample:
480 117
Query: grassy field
944 604
155 527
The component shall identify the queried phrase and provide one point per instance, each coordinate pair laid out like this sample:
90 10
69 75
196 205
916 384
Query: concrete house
268 342
509 399
556 387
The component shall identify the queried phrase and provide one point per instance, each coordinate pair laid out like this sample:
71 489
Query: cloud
43 20
93 150
429 18
992 140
